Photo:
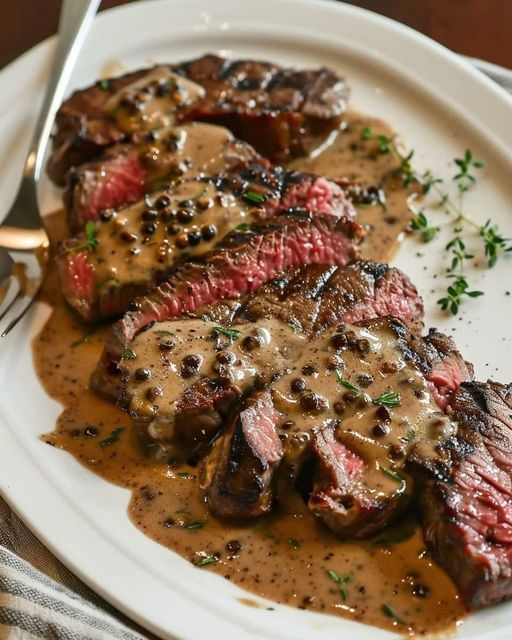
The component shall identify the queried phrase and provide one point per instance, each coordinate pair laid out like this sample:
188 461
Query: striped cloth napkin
40 598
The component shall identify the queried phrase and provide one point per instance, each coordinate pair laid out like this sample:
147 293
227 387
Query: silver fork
23 240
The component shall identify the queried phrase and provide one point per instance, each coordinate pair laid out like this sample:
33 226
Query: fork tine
11 304
16 312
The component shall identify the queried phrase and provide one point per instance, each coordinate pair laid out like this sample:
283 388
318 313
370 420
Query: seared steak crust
281 112
466 494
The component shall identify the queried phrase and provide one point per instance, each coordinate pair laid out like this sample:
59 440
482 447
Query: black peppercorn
287 425
297 385
226 357
127 236
149 215
154 392
166 345
190 365
396 452
173 229
208 231
142 373
148 228
185 215
182 241
251 342
338 407
106 215
380 430
309 370
313 403
162 202
339 341
383 413
194 238
234 546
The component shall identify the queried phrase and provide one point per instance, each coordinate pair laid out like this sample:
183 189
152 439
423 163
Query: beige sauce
136 241
152 101
351 157
283 557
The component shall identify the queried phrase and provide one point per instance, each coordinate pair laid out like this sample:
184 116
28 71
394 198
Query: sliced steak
281 112
333 411
117 110
194 417
134 247
238 266
241 464
466 493
127 171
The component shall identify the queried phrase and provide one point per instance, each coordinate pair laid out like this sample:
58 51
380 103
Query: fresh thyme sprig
494 243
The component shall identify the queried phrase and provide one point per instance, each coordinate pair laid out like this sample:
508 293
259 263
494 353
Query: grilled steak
133 248
240 264
194 417
280 111
357 443
127 171
466 491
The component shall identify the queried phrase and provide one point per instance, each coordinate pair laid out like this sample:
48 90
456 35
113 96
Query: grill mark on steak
466 494
281 112
240 465
240 265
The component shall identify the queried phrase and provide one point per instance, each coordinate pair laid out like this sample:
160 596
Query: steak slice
136 246
243 460
466 493
240 264
282 112
127 171
356 447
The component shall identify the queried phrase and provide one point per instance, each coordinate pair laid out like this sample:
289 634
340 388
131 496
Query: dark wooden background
480 28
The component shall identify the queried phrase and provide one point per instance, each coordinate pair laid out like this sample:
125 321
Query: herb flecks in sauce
112 438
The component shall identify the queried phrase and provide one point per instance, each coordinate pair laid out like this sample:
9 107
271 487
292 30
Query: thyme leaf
231 333
388 399
112 438
390 613
345 383
127 354
253 196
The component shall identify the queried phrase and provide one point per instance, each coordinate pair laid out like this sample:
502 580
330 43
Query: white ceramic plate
440 105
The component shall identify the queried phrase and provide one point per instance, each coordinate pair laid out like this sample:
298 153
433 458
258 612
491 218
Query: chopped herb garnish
183 474
345 383
104 85
388 399
393 475
243 227
411 434
366 133
253 196
182 511
206 561
341 581
231 333
112 438
390 613
162 332
294 543
86 337
385 144
194 524
90 233
127 354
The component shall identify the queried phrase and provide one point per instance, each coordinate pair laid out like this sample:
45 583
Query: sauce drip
389 581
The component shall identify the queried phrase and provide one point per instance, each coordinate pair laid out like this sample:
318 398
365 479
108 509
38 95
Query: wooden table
479 28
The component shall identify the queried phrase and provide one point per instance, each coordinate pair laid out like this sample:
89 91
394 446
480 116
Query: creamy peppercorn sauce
388 580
